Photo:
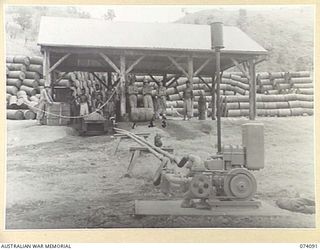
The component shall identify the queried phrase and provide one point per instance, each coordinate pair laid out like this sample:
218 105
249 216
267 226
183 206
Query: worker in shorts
45 98
98 104
161 100
188 101
133 94
109 108
147 94
84 107
97 91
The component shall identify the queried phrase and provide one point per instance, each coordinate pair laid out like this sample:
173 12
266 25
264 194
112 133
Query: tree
110 15
23 18
12 29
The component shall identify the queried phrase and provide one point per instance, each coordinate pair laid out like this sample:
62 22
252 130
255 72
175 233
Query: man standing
133 94
94 95
109 108
188 101
147 94
84 108
202 107
98 104
45 98
161 98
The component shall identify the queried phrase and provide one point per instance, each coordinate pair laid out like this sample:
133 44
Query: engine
224 176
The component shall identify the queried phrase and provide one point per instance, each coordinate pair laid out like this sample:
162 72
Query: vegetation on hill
287 33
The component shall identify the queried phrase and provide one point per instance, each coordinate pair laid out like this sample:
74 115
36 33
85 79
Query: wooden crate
55 110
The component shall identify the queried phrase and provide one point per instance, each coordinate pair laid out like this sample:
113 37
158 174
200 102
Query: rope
74 117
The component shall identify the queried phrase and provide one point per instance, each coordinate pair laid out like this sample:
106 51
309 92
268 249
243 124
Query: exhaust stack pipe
217 45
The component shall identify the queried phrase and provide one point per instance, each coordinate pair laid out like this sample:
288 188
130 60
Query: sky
161 13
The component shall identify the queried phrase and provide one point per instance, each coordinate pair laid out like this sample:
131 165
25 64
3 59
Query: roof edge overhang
146 49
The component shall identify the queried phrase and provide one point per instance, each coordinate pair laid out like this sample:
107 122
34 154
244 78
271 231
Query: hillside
286 33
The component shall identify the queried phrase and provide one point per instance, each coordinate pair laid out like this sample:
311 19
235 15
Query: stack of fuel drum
23 78
278 94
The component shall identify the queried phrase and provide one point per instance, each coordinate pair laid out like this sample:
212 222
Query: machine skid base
218 208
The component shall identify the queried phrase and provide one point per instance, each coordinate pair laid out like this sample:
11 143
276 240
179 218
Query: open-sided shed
70 44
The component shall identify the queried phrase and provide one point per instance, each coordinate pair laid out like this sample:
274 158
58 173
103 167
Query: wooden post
190 69
164 80
190 76
46 67
213 98
122 86
109 83
252 91
217 53
254 79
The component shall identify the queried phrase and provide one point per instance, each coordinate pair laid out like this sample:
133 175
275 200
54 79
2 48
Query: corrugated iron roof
76 32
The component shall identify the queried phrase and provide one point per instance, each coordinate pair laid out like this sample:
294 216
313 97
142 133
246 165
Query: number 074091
309 246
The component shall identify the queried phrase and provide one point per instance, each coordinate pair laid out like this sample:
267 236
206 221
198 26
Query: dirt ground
57 179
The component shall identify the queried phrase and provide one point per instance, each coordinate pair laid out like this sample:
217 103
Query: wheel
200 186
240 183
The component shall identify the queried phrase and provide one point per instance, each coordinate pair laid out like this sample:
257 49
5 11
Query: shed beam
60 78
245 66
122 72
201 79
190 77
170 78
128 52
173 80
59 62
190 69
99 79
108 60
178 60
259 61
240 68
46 67
154 79
109 80
178 66
134 64
202 66
151 52
213 97
252 91
164 79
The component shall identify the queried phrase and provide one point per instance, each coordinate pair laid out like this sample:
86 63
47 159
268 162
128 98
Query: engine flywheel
240 183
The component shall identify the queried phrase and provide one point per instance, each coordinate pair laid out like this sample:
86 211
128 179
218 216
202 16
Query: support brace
202 66
60 78
240 68
108 60
100 80
202 80
173 80
134 64
154 79
178 66
59 62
